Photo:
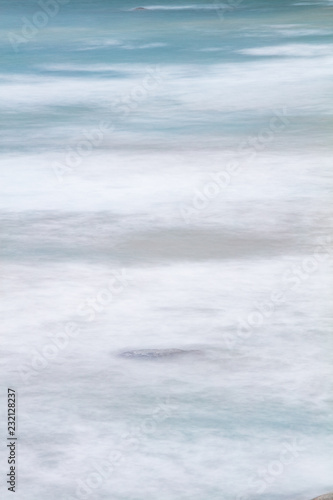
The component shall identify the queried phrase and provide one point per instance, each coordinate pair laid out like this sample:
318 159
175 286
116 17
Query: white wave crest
213 6
291 50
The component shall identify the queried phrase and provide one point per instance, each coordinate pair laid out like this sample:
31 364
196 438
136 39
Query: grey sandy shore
326 496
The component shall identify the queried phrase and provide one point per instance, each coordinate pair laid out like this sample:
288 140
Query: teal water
166 184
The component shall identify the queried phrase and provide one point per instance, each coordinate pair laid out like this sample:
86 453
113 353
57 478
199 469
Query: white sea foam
250 402
212 426
178 90
212 49
294 30
120 44
291 50
320 3
144 46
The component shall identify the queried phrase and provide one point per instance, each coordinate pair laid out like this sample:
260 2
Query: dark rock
155 353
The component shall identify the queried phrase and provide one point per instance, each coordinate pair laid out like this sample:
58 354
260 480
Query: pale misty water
197 217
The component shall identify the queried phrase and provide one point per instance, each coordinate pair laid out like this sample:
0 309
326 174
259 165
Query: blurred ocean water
166 184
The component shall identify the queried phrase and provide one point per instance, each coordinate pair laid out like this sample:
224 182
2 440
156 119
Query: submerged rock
155 353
